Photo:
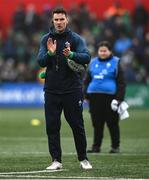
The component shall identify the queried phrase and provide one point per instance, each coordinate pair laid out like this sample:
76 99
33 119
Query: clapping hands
51 45
66 50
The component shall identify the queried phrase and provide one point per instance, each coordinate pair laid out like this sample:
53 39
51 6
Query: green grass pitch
23 148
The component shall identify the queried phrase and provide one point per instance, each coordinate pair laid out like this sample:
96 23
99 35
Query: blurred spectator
32 20
114 10
104 34
140 19
18 19
74 17
138 49
1 44
146 57
87 34
9 46
122 44
9 73
84 17
128 64
45 17
21 46
1 68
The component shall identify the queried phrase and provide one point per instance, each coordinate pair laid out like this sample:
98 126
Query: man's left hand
66 52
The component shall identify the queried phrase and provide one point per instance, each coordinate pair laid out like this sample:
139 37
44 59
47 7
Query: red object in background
7 7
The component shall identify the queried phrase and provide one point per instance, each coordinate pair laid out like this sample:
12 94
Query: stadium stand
127 31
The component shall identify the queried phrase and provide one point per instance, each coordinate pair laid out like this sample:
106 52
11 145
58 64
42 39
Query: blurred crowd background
127 31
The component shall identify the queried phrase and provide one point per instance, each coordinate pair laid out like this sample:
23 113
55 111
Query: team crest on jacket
108 65
96 65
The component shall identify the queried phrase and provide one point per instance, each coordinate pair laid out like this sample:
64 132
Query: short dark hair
106 44
59 10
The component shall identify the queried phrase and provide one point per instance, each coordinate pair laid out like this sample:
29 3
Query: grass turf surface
23 147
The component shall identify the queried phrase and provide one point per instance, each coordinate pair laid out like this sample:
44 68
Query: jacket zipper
57 63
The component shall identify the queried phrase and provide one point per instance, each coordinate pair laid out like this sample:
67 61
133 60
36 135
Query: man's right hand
51 46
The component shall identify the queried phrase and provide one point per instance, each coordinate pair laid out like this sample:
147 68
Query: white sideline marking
31 172
35 152
74 153
52 177
69 177
22 175
30 138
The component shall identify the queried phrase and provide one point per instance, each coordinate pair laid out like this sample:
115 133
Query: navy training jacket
60 79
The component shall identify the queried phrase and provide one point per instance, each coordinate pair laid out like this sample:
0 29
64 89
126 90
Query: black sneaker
93 150
114 150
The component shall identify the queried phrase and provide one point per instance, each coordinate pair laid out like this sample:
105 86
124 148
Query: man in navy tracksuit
63 86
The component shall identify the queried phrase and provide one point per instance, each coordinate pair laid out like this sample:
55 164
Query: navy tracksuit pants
71 105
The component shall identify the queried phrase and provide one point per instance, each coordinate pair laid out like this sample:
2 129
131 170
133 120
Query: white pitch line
51 177
32 172
74 153
69 177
